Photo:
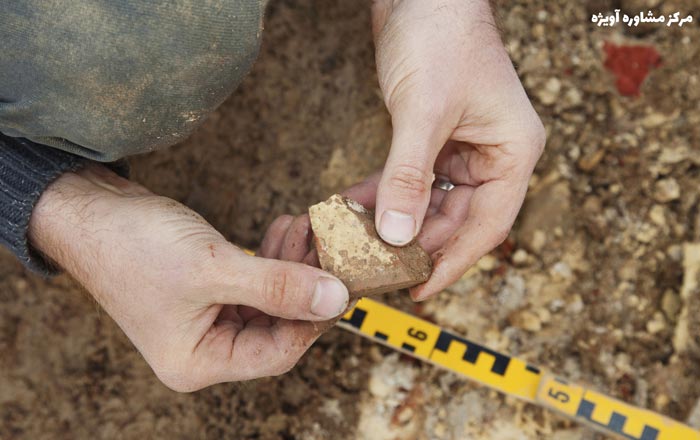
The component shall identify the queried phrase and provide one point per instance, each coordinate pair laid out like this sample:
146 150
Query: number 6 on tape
508 374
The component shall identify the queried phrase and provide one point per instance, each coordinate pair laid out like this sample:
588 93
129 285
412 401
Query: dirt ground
596 282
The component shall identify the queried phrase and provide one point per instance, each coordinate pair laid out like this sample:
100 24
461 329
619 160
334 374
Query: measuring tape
512 376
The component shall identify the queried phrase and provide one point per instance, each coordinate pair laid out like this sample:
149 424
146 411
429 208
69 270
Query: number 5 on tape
609 414
507 374
560 395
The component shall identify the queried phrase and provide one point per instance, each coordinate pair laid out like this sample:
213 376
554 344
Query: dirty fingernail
330 298
396 227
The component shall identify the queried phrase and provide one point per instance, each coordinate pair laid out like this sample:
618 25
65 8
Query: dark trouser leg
108 78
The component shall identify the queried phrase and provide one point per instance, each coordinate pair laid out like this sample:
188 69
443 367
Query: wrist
71 207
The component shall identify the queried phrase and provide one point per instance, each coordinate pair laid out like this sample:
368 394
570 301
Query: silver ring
443 184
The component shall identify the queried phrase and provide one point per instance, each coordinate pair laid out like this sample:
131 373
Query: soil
590 283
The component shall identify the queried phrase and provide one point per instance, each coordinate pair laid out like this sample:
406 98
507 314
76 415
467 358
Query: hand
458 110
289 238
199 309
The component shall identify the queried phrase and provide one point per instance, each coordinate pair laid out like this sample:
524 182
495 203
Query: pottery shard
349 247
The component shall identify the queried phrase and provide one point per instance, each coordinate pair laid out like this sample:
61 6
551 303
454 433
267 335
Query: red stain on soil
630 65
506 248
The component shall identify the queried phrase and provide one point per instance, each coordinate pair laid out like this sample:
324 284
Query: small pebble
591 160
654 120
657 324
528 321
646 233
539 240
377 387
439 430
666 190
520 257
561 271
657 215
575 305
661 401
556 304
675 252
670 304
549 94
405 414
487 263
573 97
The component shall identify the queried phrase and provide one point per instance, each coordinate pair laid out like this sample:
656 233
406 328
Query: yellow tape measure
512 376
515 377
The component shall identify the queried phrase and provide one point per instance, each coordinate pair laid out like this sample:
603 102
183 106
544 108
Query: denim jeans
105 79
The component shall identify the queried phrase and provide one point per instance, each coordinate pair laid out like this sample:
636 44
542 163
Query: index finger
493 208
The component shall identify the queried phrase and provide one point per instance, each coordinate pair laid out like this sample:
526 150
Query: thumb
403 194
285 289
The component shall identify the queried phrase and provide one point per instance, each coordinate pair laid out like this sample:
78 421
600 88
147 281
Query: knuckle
275 287
500 235
281 222
538 137
410 180
177 379
285 365
211 265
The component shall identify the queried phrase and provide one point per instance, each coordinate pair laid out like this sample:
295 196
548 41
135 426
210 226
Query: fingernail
330 298
397 228
417 297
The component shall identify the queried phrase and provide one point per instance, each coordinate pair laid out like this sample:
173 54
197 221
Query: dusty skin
589 284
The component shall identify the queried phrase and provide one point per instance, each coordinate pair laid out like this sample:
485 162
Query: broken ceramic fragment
349 247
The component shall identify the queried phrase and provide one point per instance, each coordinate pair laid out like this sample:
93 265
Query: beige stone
349 247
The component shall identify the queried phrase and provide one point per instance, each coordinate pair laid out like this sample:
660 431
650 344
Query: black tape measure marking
510 375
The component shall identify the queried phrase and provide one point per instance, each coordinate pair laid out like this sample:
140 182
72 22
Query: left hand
458 110
199 309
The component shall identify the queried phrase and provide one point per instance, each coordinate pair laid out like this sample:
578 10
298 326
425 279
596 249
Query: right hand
199 309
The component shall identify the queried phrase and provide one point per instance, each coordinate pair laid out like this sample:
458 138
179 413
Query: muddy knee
110 80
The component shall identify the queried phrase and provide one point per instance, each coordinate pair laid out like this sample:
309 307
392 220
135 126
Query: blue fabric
26 169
